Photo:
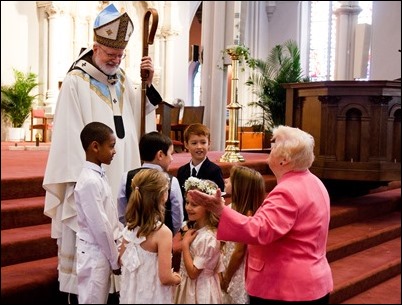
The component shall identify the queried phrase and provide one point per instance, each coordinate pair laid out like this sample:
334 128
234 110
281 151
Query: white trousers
93 274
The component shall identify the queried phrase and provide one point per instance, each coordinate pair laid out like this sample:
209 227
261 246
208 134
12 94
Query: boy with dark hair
197 142
156 151
98 224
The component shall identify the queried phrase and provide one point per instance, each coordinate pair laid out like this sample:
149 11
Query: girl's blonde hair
248 189
145 207
208 187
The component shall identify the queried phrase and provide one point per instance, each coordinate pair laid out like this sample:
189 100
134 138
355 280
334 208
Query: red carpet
31 163
25 227
22 163
27 168
364 243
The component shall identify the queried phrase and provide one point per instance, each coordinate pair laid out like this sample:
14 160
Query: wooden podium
164 121
356 126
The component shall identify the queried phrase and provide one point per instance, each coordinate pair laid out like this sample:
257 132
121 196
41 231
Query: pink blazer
286 239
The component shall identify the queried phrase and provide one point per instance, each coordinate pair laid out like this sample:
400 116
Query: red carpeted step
348 210
26 243
366 269
358 236
22 212
34 282
22 187
384 293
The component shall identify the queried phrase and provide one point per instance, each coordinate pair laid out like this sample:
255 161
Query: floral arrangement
206 186
240 52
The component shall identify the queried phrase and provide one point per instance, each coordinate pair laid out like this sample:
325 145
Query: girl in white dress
146 250
247 189
201 252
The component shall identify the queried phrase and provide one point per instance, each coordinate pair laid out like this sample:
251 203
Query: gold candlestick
232 151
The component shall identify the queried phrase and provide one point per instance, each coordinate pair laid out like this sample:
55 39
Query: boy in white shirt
98 224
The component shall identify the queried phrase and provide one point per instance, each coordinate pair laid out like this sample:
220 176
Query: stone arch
364 112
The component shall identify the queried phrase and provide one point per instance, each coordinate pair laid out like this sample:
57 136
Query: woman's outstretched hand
214 203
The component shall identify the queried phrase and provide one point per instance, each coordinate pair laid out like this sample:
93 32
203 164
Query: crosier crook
147 39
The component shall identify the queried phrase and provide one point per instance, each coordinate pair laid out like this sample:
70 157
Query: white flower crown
205 186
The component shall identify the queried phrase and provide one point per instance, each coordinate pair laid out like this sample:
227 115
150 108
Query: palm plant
266 79
16 100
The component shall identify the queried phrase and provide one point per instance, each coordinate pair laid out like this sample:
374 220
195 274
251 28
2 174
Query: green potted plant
241 52
16 99
266 78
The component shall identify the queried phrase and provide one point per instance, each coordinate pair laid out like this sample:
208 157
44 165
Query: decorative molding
326 99
381 100
168 32
348 9
270 7
41 4
51 10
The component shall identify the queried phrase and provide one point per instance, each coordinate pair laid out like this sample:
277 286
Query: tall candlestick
232 151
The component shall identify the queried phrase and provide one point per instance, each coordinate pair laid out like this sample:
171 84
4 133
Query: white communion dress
205 289
140 282
236 293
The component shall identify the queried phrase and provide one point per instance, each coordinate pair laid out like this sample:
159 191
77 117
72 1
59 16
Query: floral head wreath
205 186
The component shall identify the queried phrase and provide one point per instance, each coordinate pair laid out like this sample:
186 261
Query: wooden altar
356 126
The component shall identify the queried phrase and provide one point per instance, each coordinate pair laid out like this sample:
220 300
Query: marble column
53 32
347 15
216 35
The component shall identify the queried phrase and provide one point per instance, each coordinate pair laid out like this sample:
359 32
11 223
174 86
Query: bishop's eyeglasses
113 56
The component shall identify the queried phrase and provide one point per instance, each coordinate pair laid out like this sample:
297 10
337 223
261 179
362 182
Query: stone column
168 35
43 48
53 32
347 16
217 33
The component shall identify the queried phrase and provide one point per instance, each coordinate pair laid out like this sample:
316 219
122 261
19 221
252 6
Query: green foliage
16 101
241 51
266 79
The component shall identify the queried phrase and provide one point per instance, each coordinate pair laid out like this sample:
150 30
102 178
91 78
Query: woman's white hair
294 145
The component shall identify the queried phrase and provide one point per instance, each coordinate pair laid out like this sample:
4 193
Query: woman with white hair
287 235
